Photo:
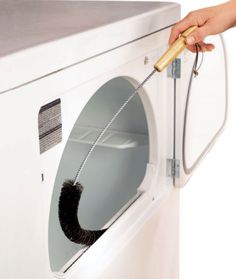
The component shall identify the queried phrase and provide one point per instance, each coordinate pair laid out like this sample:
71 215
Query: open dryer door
201 106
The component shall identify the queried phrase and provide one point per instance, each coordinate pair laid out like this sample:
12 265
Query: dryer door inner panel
202 106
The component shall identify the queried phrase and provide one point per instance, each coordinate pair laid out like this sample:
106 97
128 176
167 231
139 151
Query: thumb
197 36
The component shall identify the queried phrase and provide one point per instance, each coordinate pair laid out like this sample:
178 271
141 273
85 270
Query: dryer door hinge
174 69
173 168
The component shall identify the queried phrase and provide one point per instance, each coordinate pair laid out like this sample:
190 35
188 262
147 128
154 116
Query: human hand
211 21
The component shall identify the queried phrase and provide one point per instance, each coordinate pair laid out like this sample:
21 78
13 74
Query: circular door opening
114 170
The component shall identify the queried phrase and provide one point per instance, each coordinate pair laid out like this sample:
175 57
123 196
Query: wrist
231 11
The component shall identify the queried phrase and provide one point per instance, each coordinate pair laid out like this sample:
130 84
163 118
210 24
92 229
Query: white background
208 202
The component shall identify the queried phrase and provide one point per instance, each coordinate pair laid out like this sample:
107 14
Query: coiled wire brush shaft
72 189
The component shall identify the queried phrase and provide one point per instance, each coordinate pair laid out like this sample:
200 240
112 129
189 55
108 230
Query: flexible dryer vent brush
72 189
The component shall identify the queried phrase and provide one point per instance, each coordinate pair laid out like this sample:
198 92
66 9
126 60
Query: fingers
181 26
198 36
177 29
203 47
200 18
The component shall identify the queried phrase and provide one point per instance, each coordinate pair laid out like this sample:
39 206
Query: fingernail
190 40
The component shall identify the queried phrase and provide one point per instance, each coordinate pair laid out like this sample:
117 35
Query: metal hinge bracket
173 168
174 69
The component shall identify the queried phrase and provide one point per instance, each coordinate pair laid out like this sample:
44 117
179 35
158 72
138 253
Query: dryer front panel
125 177
131 161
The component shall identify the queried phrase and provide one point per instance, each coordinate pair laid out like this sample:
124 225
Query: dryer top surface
66 32
26 24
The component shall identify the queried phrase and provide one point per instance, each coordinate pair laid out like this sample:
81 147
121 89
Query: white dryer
66 67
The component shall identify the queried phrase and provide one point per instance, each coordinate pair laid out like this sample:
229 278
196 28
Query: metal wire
108 125
197 66
194 73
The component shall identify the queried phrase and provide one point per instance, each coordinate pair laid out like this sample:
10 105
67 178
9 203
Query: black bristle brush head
68 215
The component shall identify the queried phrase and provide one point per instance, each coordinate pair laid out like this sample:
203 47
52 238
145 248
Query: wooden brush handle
177 47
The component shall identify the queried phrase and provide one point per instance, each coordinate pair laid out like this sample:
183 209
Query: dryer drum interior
114 171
